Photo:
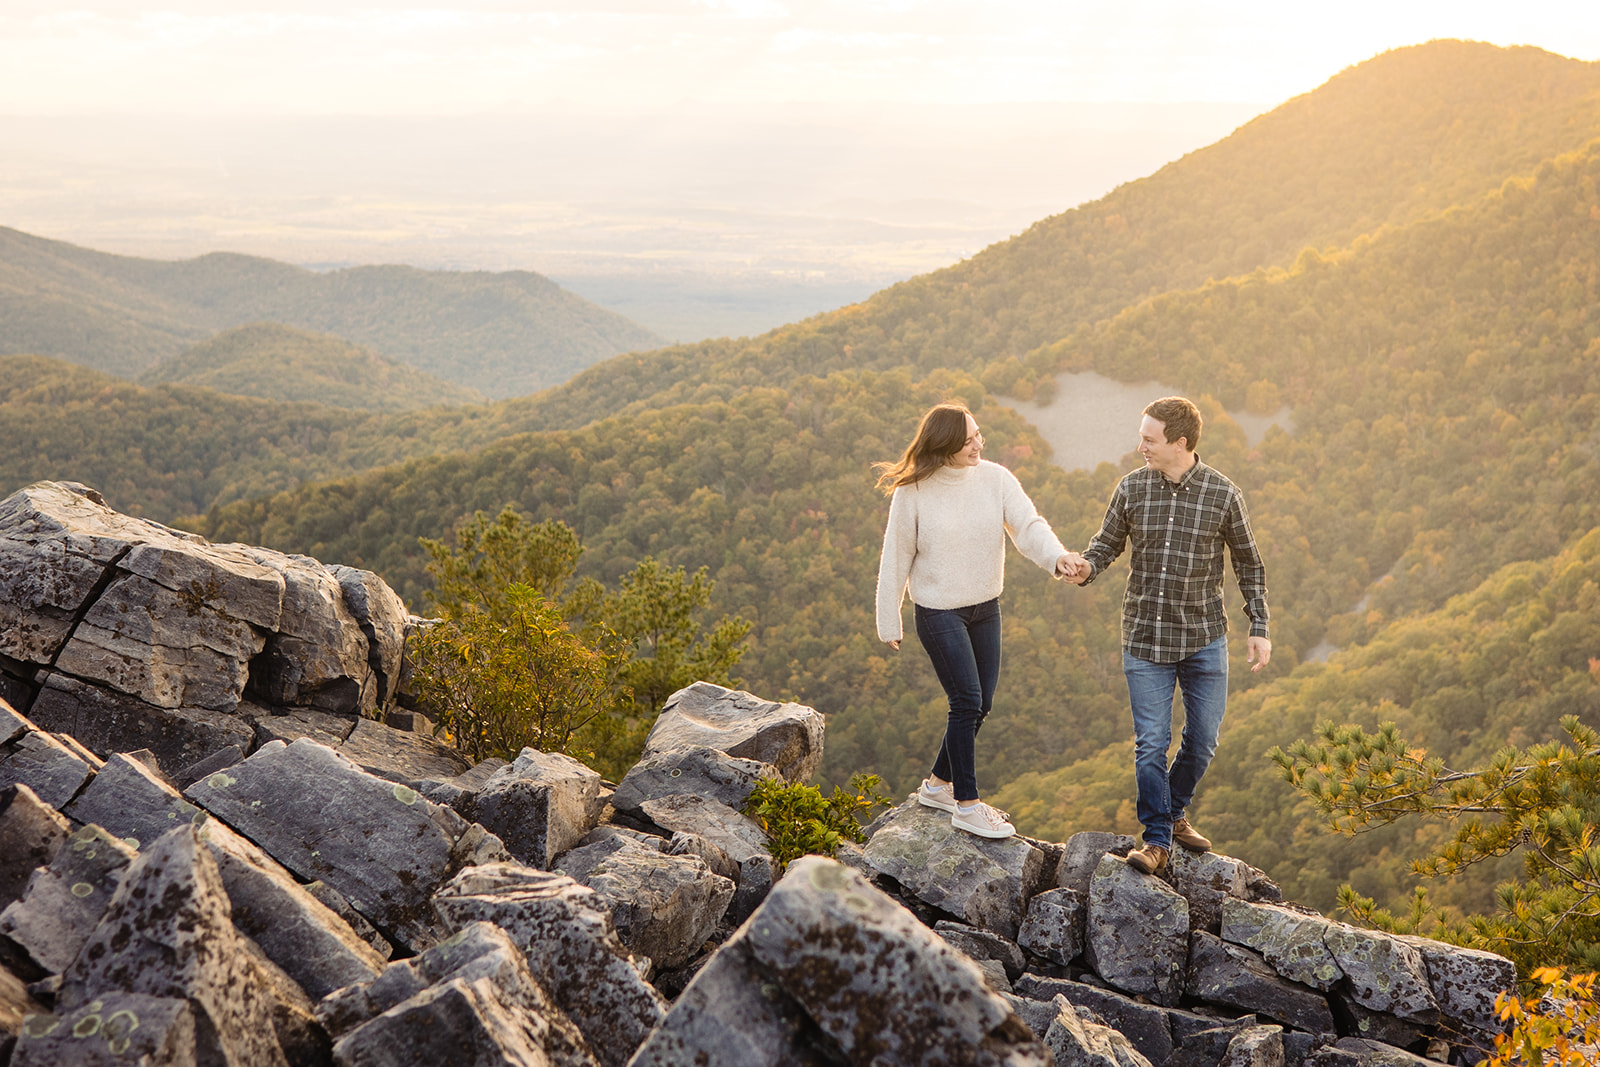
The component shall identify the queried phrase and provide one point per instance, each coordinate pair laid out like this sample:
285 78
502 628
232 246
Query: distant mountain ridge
276 362
503 334
1392 140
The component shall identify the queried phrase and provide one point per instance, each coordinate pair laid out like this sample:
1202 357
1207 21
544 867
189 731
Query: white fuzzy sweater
946 539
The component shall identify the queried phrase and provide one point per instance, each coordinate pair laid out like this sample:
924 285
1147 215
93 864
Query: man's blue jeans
964 645
1165 792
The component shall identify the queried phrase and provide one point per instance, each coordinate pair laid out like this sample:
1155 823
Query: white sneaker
942 797
983 820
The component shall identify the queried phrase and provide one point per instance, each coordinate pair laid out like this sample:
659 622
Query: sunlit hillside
1409 257
275 362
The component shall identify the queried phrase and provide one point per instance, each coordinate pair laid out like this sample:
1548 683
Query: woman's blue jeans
1165 791
964 645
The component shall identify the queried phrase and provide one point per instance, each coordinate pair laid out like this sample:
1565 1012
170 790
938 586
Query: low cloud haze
705 166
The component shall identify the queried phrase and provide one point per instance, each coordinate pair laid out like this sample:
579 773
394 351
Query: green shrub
800 821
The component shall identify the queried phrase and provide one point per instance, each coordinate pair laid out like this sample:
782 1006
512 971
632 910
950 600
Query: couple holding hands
949 516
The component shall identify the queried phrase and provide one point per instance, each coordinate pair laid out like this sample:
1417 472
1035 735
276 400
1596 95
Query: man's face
1156 450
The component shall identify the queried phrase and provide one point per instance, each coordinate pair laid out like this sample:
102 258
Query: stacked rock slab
127 633
829 953
565 932
787 736
664 907
381 844
168 934
469 999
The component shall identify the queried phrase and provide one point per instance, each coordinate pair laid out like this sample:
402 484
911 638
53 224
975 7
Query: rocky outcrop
256 915
116 629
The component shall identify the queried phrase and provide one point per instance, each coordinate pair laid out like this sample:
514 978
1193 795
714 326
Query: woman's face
971 451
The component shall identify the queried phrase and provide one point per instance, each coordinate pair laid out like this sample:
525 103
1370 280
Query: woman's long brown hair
941 434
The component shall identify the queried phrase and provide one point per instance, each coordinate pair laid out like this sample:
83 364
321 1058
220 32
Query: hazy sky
343 57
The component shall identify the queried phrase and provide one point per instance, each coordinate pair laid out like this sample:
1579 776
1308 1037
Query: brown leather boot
1148 859
1189 837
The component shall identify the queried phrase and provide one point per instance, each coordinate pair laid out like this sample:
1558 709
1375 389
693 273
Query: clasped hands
1072 567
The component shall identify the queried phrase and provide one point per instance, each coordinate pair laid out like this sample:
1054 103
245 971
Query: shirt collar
1188 475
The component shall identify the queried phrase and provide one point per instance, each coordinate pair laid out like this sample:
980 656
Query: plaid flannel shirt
1173 604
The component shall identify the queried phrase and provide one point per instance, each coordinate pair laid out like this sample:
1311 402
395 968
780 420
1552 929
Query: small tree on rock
1544 802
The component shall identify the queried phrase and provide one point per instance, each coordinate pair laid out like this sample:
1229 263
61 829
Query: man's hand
1073 568
1258 650
894 645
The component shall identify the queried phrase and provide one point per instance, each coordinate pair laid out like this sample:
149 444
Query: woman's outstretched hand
1073 568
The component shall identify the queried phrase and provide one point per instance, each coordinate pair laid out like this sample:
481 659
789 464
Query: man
1179 515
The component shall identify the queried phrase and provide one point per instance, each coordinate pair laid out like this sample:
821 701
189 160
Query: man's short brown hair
1178 417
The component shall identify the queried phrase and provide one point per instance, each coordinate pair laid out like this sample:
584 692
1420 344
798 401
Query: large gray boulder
468 1000
31 833
1378 970
316 656
1289 940
565 931
1383 972
1221 973
177 626
664 907
540 805
787 736
1077 1042
1081 857
298 933
733 1013
1137 932
64 902
126 602
32 757
737 836
1205 879
114 618
1465 981
700 771
1054 925
382 617
984 883
884 987
169 933
386 848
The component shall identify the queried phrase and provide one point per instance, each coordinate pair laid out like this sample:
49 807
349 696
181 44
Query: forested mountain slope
503 334
166 451
275 362
1447 398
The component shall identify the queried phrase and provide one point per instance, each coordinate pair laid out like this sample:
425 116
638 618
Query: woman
948 520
